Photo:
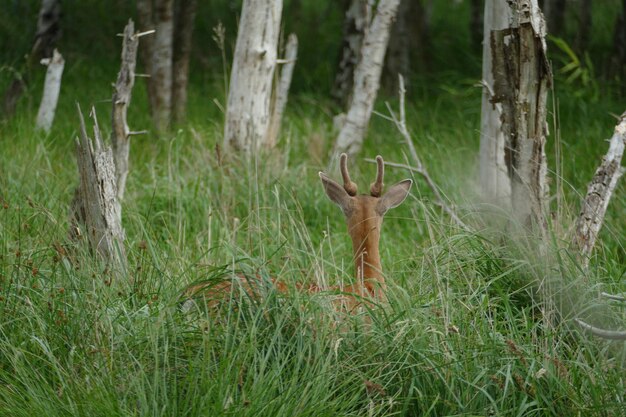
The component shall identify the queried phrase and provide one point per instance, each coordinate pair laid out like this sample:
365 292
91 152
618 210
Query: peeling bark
120 134
95 210
599 193
282 90
367 79
254 62
51 90
185 16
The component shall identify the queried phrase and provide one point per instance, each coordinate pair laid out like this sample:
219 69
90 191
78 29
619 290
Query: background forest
476 322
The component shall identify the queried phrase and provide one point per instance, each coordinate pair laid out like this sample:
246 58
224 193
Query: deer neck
367 265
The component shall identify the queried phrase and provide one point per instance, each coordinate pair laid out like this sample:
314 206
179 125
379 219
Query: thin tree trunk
522 77
254 62
555 15
120 134
617 67
585 22
48 32
494 179
95 208
599 193
356 24
145 21
183 31
282 89
51 89
476 25
367 79
162 63
420 41
397 59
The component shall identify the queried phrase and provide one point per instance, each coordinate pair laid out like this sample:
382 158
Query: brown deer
364 216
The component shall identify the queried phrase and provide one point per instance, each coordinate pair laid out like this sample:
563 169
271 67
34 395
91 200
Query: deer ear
394 197
337 194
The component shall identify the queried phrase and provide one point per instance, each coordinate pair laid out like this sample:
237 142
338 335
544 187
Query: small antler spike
348 185
376 189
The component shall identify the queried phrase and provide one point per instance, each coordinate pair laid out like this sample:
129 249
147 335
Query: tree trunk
161 75
476 25
356 23
585 22
185 17
120 134
51 89
397 59
555 15
282 89
599 194
367 79
145 22
48 32
617 66
494 179
420 41
95 207
254 62
522 77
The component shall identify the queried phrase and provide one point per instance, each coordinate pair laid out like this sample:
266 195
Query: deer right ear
336 193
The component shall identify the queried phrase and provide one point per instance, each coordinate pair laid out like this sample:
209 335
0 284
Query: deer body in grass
364 216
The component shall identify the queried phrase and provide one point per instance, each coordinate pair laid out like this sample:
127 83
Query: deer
364 216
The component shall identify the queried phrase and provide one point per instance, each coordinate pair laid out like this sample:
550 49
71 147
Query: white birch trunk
599 194
367 79
161 75
282 90
120 134
51 90
254 62
494 179
95 211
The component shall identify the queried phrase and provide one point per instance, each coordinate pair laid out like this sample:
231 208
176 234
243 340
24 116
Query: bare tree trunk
398 58
555 15
420 41
120 134
145 22
161 75
522 77
48 32
356 23
476 25
585 22
185 17
599 193
367 79
494 179
618 54
282 89
95 208
254 62
51 89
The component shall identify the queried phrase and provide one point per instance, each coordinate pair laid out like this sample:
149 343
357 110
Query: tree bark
161 75
494 179
522 77
48 32
95 207
356 23
120 134
599 193
145 21
476 25
254 62
282 90
555 15
585 22
51 89
183 31
367 79
397 59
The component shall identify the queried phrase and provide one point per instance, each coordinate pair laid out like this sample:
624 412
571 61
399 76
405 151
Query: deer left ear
394 197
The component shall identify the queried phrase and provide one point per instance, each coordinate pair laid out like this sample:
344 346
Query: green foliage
578 74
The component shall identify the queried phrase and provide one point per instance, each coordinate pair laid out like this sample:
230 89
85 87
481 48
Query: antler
348 185
376 189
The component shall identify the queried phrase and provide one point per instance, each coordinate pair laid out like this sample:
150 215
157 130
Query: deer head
364 216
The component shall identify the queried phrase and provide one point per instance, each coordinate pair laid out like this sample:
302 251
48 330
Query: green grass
463 332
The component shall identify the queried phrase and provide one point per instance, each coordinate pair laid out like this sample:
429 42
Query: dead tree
248 109
48 32
282 89
95 211
51 90
494 179
367 79
356 23
599 193
120 133
522 77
